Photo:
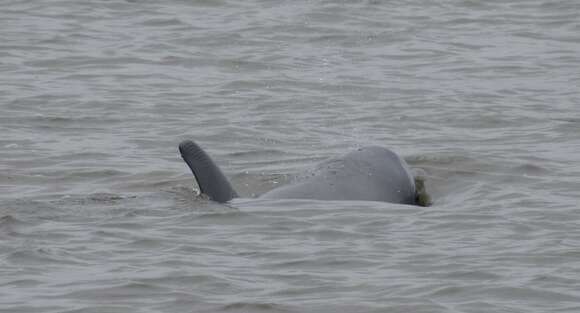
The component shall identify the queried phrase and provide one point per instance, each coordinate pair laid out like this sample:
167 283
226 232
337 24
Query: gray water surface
99 214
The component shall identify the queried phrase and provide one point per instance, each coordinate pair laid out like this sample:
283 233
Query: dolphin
368 174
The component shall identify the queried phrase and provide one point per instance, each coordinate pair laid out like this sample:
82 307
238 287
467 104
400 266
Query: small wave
161 22
9 220
41 257
252 307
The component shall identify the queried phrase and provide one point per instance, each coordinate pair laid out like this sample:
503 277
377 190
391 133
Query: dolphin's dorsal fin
210 178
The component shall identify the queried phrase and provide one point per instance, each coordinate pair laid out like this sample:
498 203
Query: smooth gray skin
369 174
210 178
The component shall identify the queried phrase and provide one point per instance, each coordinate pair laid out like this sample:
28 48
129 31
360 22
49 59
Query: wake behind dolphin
368 174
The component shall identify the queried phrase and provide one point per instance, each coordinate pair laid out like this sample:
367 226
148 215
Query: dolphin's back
210 178
369 174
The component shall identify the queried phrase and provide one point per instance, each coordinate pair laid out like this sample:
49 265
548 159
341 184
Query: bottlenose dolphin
369 174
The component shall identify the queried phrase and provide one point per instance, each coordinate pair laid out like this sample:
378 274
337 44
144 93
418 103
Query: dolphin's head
389 170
